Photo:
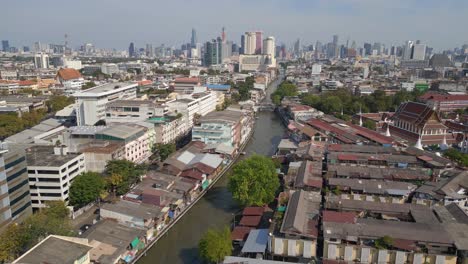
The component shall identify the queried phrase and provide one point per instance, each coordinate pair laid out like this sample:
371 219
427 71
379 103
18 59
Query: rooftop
43 156
106 89
55 249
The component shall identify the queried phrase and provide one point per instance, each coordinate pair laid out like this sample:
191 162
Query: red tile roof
240 232
339 217
347 157
27 83
68 74
253 210
252 221
193 80
315 183
443 97
371 135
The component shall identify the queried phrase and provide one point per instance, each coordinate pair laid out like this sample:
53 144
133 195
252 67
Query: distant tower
131 50
223 35
258 42
194 40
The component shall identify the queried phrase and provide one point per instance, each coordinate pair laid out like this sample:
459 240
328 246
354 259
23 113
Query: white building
138 139
73 64
90 105
251 62
269 46
124 111
250 44
109 68
51 171
316 69
419 52
169 128
41 61
189 105
70 79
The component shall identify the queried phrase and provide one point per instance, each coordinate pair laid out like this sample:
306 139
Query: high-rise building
5 45
41 61
223 35
269 46
408 50
367 49
131 50
149 50
242 48
335 44
297 47
250 43
194 40
213 50
258 42
419 52
15 197
226 50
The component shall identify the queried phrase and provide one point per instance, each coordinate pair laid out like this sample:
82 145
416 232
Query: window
15 162
47 172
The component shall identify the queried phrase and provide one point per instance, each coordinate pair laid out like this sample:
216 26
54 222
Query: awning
205 184
135 243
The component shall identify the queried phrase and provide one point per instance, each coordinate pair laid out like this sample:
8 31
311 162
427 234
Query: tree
86 188
254 181
369 124
165 150
129 171
215 245
18 238
311 100
114 181
331 104
457 156
58 102
88 85
384 242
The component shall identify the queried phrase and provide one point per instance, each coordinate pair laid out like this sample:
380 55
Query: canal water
216 209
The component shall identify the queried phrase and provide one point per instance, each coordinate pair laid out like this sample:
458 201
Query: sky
116 23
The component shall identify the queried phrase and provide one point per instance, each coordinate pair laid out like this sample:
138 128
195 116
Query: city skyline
153 22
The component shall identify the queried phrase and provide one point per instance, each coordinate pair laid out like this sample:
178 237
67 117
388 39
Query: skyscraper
367 49
213 51
250 43
131 50
242 48
297 47
335 44
194 39
149 50
269 46
41 61
223 35
5 45
258 42
408 50
419 52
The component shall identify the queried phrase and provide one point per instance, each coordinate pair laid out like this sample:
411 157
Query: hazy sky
115 23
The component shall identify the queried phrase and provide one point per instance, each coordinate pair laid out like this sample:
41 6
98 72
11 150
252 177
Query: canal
216 209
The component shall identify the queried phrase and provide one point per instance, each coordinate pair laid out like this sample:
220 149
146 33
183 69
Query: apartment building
190 105
133 110
169 128
138 140
51 171
228 127
90 104
15 196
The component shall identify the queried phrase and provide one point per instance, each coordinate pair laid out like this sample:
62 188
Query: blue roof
218 86
256 241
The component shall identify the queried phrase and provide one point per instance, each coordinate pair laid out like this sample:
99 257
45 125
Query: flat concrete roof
106 89
55 250
44 156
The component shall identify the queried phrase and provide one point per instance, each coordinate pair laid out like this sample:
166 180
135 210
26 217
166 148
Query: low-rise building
70 79
296 236
58 249
445 102
51 171
223 127
125 111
